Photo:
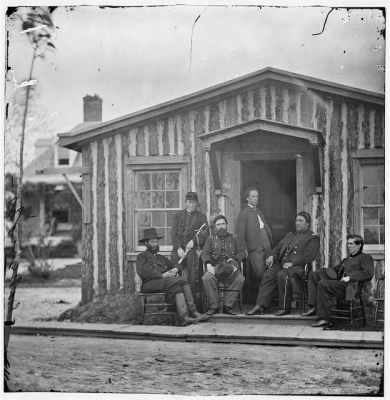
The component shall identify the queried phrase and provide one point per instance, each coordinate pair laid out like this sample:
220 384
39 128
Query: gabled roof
73 139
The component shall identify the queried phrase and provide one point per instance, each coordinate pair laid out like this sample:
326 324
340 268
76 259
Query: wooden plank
207 182
186 133
336 189
171 135
132 142
379 133
231 115
372 128
101 220
107 188
179 128
366 129
292 109
268 103
360 126
257 103
86 194
215 170
263 95
165 138
206 111
300 183
273 102
345 178
329 113
286 105
160 131
251 108
146 139
120 217
214 123
94 150
153 139
244 107
222 113
299 108
239 108
114 200
193 151
140 142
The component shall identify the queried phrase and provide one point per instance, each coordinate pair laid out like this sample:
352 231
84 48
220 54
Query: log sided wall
346 126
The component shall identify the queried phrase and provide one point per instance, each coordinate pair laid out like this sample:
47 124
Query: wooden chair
304 293
222 289
379 315
351 310
154 304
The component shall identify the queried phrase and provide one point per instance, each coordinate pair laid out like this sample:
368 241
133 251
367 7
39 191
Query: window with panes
157 199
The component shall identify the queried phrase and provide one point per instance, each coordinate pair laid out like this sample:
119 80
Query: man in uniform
187 239
286 266
158 274
222 259
254 234
327 285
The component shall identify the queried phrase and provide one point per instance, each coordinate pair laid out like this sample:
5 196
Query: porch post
42 211
299 180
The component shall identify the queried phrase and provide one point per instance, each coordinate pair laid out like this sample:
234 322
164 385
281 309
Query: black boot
182 310
191 305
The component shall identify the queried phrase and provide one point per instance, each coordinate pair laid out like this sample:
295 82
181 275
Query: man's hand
190 245
171 272
180 252
345 279
210 269
287 265
269 261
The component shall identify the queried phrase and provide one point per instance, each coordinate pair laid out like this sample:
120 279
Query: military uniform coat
297 248
182 234
220 248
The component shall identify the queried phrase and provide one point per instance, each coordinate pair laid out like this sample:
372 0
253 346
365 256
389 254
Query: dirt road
71 364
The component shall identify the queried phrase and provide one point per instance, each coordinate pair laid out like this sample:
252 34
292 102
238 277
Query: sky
134 58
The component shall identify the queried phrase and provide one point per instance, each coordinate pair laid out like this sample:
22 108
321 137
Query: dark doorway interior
276 182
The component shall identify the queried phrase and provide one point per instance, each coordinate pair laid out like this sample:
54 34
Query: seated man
328 285
286 266
222 259
158 274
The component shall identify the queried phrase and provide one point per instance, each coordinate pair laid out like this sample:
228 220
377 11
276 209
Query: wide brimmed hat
223 270
150 233
331 272
192 196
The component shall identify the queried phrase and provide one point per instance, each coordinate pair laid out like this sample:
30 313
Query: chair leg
240 300
350 313
363 312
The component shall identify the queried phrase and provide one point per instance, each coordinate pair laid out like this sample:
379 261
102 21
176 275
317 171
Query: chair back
137 280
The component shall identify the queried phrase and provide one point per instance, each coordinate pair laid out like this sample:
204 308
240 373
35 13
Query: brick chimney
93 106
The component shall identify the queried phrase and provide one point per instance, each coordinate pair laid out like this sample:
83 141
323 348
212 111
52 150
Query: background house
308 144
52 182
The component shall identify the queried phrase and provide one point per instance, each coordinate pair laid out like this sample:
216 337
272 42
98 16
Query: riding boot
182 310
191 305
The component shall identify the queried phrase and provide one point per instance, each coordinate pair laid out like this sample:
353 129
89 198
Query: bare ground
128 366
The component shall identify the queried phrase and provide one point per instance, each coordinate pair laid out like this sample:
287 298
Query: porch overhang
313 136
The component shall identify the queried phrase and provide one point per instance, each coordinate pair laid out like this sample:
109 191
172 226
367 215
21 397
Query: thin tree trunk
15 278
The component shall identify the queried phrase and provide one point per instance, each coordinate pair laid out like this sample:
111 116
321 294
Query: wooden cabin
308 144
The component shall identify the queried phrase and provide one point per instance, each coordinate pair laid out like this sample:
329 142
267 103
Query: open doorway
276 182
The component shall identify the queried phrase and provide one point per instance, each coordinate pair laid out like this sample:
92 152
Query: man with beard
286 266
158 274
222 259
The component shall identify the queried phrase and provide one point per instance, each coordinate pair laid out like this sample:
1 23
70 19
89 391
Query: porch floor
213 330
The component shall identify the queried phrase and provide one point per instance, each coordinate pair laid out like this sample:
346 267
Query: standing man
341 283
188 239
159 274
222 259
254 234
286 266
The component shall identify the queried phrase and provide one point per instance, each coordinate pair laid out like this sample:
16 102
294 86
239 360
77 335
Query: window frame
151 164
363 158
